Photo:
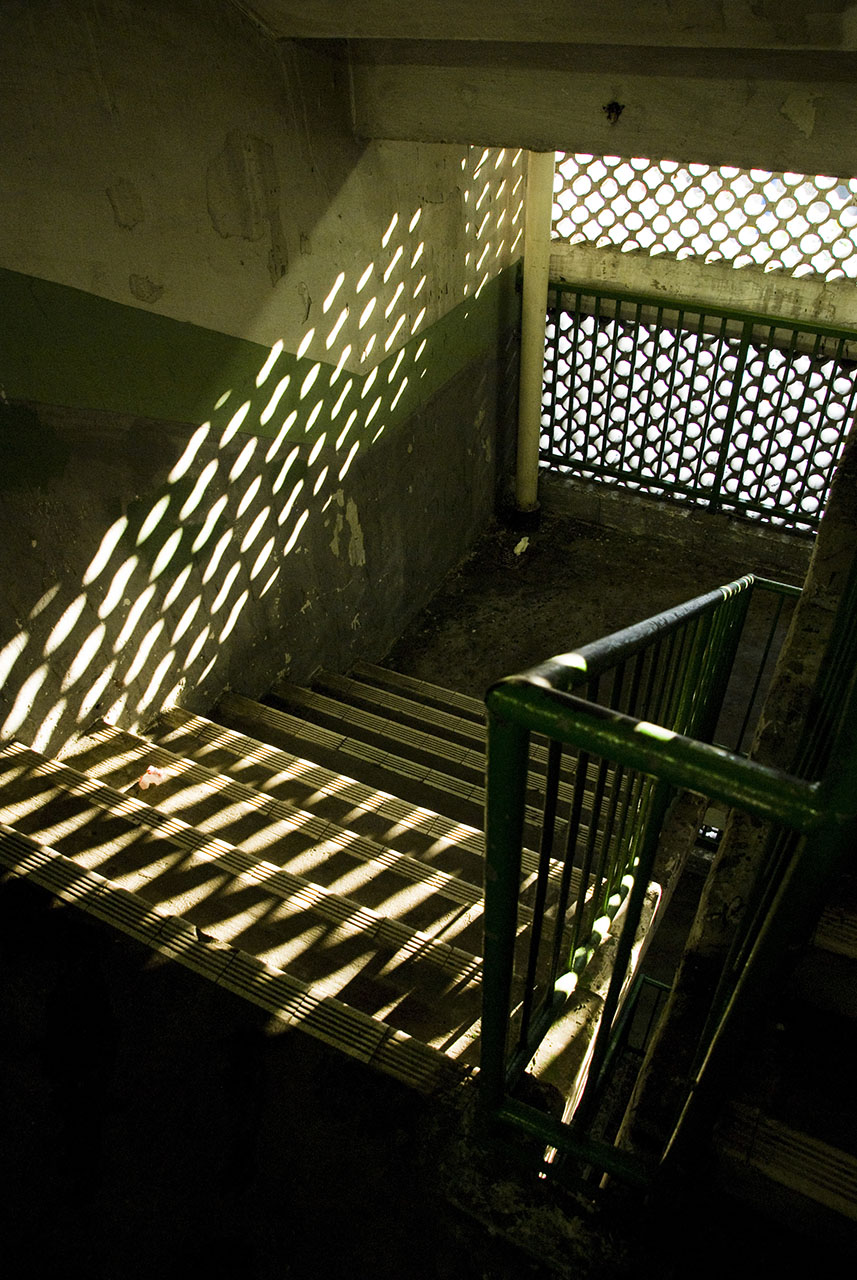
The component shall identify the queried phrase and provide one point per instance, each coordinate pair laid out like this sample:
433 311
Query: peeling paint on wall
799 108
356 548
243 191
144 288
126 204
338 524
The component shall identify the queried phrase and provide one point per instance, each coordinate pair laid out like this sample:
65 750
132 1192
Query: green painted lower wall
61 346
171 529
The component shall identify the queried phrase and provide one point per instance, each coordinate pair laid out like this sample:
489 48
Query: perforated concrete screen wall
708 406
778 221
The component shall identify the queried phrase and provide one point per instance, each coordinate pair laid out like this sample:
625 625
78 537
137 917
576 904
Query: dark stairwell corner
516 599
157 1122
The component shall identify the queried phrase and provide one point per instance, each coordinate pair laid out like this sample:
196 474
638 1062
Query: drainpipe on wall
537 244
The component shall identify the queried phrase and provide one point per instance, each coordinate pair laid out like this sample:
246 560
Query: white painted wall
171 157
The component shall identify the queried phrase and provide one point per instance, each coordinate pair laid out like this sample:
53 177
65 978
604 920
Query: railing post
734 397
505 798
540 171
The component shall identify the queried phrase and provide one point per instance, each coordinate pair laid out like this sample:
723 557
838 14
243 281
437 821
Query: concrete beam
716 284
781 111
771 24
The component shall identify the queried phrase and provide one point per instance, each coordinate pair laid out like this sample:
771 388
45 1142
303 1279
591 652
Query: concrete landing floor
518 599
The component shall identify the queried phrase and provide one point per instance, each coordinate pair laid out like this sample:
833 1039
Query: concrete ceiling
731 24
756 83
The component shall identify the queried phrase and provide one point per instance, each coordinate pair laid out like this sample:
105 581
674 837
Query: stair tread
306 783
296 1004
798 1161
402 709
281 771
405 710
379 961
837 929
468 760
463 763
293 837
436 694
456 797
425 786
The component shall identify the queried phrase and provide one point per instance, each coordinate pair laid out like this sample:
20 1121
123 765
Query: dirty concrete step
786 1171
374 874
408 712
400 707
294 1005
432 837
433 749
837 928
379 766
425 987
451 846
464 762
825 974
376 765
430 695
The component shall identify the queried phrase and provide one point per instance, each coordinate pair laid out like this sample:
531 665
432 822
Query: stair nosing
383 931
371 1040
363 848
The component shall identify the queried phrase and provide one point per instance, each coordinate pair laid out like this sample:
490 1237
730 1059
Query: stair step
432 900
427 785
293 1003
403 710
432 695
453 846
750 1141
463 759
449 727
465 762
837 929
380 964
458 799
456 846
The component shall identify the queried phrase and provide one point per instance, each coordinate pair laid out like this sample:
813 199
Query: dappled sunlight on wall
173 587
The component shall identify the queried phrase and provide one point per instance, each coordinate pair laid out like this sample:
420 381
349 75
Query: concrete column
540 171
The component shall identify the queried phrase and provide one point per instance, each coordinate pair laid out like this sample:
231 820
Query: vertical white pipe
540 171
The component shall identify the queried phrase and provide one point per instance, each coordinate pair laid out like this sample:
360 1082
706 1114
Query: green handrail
667 678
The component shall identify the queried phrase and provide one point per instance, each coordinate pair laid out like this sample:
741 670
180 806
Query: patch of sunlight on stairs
321 856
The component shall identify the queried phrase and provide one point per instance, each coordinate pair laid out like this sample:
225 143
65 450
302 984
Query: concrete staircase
320 856
787 1142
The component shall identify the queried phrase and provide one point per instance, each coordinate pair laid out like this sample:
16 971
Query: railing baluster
573 830
660 799
668 672
545 852
719 476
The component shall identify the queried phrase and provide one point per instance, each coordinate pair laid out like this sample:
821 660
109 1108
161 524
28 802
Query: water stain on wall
144 288
126 203
243 192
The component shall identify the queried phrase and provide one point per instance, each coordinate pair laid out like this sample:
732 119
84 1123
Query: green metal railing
651 698
734 411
